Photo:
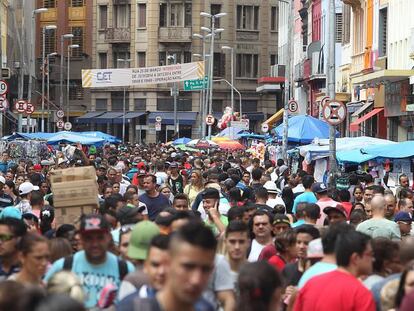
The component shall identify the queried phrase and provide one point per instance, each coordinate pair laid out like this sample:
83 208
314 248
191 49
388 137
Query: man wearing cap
95 266
25 191
321 193
404 221
175 180
335 214
307 196
272 191
5 199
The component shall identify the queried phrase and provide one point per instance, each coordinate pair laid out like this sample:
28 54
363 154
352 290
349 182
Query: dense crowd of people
207 230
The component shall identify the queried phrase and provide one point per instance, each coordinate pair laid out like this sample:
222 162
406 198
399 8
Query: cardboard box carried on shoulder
75 192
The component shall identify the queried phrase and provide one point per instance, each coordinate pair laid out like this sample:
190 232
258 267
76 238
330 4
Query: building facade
135 33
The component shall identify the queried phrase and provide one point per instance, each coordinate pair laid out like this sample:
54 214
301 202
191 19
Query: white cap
27 187
270 186
173 154
2 180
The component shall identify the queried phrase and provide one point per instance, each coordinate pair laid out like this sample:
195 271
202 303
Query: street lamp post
175 94
48 27
64 37
32 35
232 74
124 99
202 95
70 47
213 33
48 89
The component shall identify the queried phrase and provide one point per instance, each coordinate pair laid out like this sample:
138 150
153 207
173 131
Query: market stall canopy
233 132
181 141
304 129
72 138
202 144
320 147
387 151
231 145
98 134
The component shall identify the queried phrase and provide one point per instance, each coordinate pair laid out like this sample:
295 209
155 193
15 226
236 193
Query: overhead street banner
103 78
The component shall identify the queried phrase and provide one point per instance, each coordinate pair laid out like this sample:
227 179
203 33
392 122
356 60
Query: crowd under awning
354 126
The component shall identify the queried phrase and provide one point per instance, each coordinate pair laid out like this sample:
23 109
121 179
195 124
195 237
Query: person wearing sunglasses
11 229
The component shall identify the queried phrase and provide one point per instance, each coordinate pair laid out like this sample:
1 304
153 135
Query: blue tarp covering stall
304 129
72 138
106 137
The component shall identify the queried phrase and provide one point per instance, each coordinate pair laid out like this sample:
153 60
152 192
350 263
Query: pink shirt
324 202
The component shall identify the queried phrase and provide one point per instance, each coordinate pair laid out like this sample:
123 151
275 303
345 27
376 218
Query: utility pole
174 92
331 88
21 42
288 82
1 67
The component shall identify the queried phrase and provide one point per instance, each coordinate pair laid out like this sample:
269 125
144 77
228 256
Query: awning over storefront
362 109
108 117
354 126
383 75
276 117
88 117
183 117
129 116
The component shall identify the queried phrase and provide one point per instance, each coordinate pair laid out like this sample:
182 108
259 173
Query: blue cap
402 216
11 212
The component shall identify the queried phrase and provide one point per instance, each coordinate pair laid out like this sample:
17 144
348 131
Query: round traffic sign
293 106
60 114
334 112
158 119
21 105
265 127
4 87
210 119
67 126
60 124
29 108
4 103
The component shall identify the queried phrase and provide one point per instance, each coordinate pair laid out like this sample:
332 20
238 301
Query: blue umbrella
72 138
181 141
108 138
304 129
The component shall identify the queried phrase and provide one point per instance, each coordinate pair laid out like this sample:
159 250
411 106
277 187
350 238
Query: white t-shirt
161 177
255 251
277 201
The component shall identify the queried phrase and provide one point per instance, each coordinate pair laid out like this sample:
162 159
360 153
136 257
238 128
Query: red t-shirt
277 262
336 290
267 252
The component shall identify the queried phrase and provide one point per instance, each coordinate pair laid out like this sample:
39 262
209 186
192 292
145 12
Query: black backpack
122 266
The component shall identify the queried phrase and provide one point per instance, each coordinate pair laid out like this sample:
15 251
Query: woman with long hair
406 285
260 287
34 257
358 194
195 186
10 189
20 178
286 251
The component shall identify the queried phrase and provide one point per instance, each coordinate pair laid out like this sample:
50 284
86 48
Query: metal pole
43 79
175 90
29 92
331 89
67 87
210 105
287 85
48 94
21 39
1 73
203 91
61 72
123 116
232 81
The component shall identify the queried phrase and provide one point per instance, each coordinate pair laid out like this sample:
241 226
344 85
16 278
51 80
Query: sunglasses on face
6 237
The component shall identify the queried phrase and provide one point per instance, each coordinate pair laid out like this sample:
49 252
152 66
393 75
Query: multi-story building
70 17
144 33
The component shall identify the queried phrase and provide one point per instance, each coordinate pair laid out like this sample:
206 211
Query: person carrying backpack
95 266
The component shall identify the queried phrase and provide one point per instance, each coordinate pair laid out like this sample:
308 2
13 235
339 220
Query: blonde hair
66 282
388 293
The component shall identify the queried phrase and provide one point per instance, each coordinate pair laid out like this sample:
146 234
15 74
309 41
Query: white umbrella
201 143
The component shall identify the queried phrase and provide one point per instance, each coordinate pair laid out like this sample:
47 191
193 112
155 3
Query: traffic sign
60 114
60 124
243 124
210 119
158 126
20 105
334 112
67 126
265 127
29 108
158 119
293 105
195 85
4 87
4 103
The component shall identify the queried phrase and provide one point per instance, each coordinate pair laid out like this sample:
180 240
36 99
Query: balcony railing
175 34
357 63
118 35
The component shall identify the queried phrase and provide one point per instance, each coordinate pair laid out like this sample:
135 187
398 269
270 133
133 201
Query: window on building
316 20
217 105
118 101
215 9
181 57
121 54
103 16
247 65
188 19
163 14
339 27
249 105
103 60
162 58
184 104
142 15
346 24
76 91
50 41
247 17
77 39
78 3
175 14
383 25
50 4
101 104
122 16
141 59
140 104
219 65
358 22
167 104
273 59
187 57
274 14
